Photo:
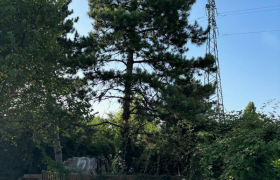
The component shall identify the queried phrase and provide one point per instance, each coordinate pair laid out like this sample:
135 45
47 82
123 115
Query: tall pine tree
145 42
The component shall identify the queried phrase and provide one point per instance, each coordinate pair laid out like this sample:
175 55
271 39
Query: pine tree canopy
136 55
146 40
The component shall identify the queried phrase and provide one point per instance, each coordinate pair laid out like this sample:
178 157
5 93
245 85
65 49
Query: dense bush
240 146
21 156
244 152
87 140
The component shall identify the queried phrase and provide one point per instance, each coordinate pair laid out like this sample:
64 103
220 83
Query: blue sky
249 63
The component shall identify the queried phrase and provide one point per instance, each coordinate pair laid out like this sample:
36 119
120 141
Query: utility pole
212 48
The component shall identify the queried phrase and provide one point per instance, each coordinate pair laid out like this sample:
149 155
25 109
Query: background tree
24 51
249 111
35 98
250 108
250 118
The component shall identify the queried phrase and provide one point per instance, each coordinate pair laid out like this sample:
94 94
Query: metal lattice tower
212 48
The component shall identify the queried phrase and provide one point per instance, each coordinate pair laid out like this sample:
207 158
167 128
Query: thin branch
107 122
151 115
136 132
108 97
145 30
145 61
147 134
14 95
117 61
116 89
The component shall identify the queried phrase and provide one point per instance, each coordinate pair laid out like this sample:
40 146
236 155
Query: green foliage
21 156
15 158
242 152
58 167
87 140
273 159
35 99
29 56
250 108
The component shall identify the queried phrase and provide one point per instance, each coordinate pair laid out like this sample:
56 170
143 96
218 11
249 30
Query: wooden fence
46 175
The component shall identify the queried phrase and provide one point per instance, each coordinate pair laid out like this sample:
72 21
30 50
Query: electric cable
250 9
216 18
254 32
234 12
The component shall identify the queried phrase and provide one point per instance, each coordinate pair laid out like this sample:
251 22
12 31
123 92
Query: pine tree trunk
127 90
125 143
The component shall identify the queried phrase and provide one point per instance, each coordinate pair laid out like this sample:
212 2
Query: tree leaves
30 70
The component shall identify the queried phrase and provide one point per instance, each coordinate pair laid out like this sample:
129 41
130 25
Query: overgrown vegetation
166 125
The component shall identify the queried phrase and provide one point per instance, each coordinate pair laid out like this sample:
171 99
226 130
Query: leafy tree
250 118
34 94
250 108
17 53
146 39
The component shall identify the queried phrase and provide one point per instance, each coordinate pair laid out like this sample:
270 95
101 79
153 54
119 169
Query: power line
250 9
234 12
199 18
254 32
216 18
250 12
